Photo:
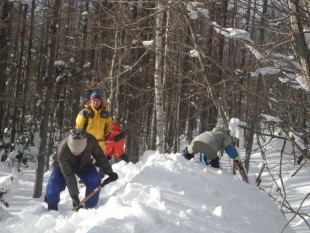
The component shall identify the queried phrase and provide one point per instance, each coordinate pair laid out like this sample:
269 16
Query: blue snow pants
56 184
214 163
203 158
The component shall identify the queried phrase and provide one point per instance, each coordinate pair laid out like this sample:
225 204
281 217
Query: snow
303 82
161 193
280 60
271 118
148 43
193 53
167 193
307 35
265 71
233 32
195 9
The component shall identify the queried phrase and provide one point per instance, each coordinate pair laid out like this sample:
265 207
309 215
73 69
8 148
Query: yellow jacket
96 122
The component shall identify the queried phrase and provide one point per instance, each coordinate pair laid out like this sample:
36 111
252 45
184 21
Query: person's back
214 141
209 143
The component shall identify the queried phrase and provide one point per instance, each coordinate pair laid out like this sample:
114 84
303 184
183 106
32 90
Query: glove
236 163
187 155
113 176
300 159
75 200
120 136
101 173
116 139
97 164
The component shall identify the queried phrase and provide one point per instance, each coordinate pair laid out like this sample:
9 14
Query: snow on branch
280 61
233 32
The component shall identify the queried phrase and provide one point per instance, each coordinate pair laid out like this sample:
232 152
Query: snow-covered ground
165 193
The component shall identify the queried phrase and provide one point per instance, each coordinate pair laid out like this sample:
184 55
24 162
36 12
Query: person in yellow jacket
95 119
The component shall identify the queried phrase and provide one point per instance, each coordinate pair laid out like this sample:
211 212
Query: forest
166 69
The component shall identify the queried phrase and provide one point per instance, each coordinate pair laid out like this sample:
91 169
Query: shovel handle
97 189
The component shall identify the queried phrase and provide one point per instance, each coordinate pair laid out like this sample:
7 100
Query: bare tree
158 78
301 48
5 18
49 88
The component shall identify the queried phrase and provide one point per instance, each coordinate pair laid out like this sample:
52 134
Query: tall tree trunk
254 119
6 7
19 79
298 35
49 87
80 70
114 77
159 103
27 65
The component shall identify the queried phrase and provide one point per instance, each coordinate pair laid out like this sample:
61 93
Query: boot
215 162
125 158
49 208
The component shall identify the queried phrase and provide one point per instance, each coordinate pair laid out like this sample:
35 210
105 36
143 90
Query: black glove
300 159
75 200
187 155
113 176
125 158
120 136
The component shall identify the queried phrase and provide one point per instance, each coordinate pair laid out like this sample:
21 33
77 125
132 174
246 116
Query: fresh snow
161 193
167 193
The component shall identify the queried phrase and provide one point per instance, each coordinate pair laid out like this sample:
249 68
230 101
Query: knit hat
96 95
77 141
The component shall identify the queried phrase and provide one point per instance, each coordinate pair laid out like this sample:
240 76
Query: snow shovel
242 172
104 183
258 178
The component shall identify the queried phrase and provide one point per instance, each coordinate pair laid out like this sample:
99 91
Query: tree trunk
49 87
298 35
27 65
19 74
6 7
159 103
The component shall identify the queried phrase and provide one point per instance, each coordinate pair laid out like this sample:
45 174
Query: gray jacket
70 163
210 142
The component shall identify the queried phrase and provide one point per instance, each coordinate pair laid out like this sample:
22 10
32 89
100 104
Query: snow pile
161 193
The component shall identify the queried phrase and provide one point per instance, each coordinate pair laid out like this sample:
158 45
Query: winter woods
166 68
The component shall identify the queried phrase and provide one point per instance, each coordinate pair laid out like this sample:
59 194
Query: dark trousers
56 184
214 162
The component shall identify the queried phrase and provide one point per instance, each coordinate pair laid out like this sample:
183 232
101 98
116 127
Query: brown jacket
70 163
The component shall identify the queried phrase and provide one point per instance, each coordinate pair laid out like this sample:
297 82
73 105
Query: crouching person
209 143
73 157
115 143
